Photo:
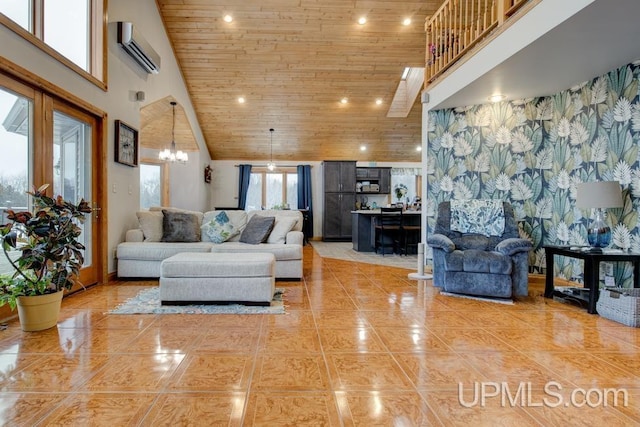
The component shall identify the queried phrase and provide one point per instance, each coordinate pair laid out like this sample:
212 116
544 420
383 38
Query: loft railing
457 26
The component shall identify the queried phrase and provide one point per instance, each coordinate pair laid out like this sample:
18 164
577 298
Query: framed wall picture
126 144
207 174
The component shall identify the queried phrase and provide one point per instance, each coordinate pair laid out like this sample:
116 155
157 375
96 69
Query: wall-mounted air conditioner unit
136 46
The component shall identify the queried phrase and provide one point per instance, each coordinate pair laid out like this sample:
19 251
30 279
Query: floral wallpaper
533 152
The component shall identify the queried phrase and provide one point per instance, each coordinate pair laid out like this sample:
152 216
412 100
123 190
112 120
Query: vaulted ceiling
293 61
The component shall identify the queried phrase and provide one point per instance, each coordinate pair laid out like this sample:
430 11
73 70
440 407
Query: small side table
592 262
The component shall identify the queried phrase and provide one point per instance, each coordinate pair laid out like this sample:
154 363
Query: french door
46 140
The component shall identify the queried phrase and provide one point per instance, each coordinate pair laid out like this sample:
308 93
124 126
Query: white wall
224 184
125 78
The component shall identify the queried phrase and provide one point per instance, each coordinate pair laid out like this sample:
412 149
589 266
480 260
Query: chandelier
170 154
271 166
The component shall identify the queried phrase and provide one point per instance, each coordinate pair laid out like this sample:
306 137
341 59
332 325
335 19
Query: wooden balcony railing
457 26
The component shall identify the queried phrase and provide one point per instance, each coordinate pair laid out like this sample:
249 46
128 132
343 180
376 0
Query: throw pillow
219 229
484 217
237 218
280 229
258 229
198 214
151 225
180 227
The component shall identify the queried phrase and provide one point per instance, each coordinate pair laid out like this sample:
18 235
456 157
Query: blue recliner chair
477 249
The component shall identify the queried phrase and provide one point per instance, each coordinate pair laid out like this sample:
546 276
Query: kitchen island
363 233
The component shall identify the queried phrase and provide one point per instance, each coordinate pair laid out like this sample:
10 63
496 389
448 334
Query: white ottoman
217 278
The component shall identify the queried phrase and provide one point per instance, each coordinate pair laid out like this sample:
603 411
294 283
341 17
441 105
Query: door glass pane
254 195
150 185
292 190
19 11
71 167
16 123
274 190
66 29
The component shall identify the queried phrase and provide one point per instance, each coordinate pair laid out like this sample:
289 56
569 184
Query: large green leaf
561 156
563 105
618 80
590 122
536 186
562 206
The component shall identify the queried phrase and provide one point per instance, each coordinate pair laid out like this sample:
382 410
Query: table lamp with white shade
599 196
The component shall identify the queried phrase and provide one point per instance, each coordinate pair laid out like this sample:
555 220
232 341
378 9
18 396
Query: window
16 114
410 181
19 11
273 190
154 188
73 34
67 30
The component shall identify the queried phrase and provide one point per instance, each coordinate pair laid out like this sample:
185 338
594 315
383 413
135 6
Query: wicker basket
621 305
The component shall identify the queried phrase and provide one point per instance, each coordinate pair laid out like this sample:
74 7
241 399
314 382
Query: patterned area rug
148 302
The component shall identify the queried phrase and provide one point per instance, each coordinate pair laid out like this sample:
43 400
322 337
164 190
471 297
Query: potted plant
49 260
401 191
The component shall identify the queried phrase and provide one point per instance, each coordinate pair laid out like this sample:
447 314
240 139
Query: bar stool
410 234
388 229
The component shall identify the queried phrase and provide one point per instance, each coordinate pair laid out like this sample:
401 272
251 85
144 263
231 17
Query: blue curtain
243 185
304 197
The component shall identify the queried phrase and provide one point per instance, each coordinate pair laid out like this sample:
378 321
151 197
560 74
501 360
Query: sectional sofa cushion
158 251
282 252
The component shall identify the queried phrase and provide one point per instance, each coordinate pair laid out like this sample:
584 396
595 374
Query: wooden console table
592 262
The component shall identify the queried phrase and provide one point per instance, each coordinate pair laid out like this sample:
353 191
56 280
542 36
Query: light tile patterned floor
361 345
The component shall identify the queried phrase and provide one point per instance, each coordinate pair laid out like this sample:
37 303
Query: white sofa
141 254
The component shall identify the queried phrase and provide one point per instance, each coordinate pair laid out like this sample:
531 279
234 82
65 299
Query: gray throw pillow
258 229
180 227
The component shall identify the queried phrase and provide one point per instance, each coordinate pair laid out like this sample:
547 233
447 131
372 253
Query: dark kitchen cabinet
339 199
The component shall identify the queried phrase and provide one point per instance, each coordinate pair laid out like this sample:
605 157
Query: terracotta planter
39 312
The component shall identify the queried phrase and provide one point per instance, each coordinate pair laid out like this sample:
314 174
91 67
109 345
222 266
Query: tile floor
361 345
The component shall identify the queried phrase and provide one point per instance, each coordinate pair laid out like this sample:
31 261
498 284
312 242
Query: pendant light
170 154
271 166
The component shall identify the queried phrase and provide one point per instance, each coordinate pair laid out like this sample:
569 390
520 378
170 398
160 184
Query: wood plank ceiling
293 61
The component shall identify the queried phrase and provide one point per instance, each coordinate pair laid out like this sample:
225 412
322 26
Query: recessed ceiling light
362 20
406 22
497 98
241 100
419 148
363 148
378 101
228 18
344 100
